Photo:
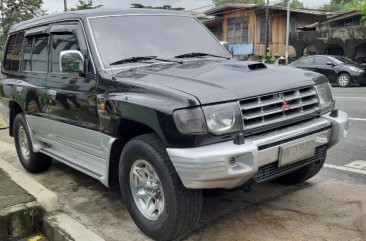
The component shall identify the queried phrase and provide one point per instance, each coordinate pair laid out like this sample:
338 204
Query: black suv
337 69
150 100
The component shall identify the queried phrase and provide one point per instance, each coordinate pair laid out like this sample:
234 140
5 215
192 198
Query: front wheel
344 80
154 195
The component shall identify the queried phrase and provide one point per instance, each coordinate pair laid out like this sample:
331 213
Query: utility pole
287 29
65 5
267 30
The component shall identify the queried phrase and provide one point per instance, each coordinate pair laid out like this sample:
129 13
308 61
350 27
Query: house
343 34
243 26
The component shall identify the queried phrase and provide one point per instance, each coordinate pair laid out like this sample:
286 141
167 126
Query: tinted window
27 54
123 37
40 54
321 61
306 61
61 42
14 47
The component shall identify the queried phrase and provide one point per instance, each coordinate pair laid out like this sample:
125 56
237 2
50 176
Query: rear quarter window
13 52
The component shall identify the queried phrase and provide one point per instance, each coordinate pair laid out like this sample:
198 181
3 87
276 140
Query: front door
73 116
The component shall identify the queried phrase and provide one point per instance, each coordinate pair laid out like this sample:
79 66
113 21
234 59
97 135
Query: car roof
93 13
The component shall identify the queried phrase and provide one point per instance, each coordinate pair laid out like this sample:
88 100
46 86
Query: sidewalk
27 207
20 214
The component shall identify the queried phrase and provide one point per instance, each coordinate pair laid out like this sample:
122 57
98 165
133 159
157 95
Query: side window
321 61
306 61
61 42
13 50
35 54
40 54
27 54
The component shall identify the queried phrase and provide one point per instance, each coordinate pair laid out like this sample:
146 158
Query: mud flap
4 114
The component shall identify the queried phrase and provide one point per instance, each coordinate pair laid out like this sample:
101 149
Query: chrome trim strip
289 132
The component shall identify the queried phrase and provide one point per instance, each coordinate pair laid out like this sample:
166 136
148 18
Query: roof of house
230 7
93 13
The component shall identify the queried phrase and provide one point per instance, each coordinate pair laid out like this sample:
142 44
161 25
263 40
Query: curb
47 199
26 217
62 227
20 220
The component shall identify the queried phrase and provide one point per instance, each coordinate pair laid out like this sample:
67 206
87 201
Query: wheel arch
15 109
127 131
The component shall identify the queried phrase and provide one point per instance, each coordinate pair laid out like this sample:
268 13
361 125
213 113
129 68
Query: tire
302 174
180 208
31 161
344 80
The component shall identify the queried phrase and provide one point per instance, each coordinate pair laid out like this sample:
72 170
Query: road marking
357 119
357 165
348 169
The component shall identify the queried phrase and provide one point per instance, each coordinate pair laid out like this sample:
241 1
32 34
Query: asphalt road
330 206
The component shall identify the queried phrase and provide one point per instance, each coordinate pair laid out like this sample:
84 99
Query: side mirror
330 64
72 61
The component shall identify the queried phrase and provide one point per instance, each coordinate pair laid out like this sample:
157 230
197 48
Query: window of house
347 22
238 30
292 25
262 33
61 42
14 48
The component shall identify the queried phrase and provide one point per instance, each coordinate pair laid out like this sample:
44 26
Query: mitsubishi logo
285 106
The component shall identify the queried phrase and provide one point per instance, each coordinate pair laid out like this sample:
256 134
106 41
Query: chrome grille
268 109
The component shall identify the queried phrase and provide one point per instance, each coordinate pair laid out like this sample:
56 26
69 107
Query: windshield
165 36
343 60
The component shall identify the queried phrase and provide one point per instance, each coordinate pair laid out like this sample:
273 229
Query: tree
221 2
15 11
342 5
83 4
294 4
363 12
167 7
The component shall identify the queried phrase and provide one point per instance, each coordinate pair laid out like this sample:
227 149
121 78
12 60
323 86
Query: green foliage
17 11
342 5
221 2
167 7
363 12
294 4
83 4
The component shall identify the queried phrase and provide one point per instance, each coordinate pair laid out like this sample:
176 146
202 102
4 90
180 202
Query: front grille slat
268 109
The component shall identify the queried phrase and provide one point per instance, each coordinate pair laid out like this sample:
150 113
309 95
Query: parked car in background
337 69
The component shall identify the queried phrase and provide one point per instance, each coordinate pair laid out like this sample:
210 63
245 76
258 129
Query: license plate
296 152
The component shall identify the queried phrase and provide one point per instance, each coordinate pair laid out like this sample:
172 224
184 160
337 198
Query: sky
58 5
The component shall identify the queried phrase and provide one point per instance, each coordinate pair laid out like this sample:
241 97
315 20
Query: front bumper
210 166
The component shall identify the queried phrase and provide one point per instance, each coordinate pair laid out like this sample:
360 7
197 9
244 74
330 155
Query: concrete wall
349 39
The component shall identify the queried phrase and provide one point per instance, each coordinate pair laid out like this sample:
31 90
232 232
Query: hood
212 81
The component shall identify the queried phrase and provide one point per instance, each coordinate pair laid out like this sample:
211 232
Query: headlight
353 68
216 119
190 121
223 118
325 96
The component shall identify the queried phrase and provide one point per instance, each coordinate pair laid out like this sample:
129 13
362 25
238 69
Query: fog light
233 162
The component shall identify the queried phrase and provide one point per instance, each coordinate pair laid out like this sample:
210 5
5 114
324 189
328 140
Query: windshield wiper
142 58
198 54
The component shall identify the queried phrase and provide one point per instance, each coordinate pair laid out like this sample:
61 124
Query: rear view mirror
330 64
71 61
